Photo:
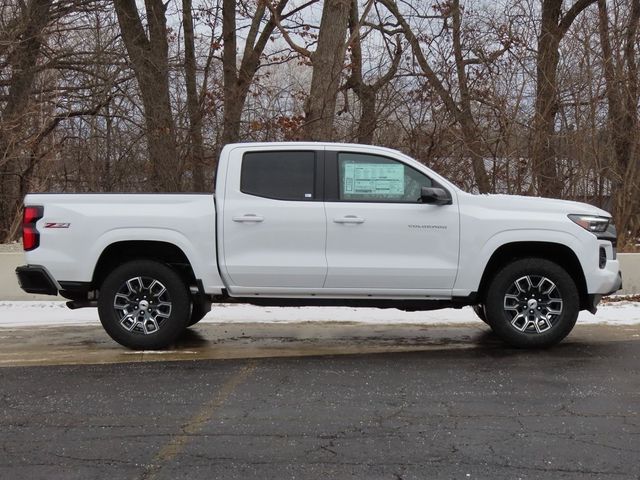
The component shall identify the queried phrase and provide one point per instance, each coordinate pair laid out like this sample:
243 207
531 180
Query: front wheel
144 304
479 311
532 303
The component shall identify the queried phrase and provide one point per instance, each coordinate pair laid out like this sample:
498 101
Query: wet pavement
90 344
320 400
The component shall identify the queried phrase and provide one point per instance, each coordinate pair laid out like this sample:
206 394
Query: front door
380 235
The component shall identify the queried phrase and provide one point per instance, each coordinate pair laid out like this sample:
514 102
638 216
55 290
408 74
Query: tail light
30 235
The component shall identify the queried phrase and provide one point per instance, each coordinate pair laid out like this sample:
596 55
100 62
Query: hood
519 202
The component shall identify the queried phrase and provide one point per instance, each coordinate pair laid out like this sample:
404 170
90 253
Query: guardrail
9 290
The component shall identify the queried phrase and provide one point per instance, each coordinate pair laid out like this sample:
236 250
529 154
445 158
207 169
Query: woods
532 97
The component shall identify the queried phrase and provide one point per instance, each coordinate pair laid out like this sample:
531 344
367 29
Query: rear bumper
36 279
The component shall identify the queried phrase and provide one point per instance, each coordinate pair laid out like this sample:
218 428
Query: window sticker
379 179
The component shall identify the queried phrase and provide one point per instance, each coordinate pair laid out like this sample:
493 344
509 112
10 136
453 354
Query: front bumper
618 284
594 299
36 279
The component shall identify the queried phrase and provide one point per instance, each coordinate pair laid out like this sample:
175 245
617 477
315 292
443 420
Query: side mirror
435 196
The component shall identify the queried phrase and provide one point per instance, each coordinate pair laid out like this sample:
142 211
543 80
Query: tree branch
432 77
276 19
74 113
568 18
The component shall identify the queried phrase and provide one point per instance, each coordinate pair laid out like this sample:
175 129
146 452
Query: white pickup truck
320 224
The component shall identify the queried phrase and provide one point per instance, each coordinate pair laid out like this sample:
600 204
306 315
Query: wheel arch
555 252
120 252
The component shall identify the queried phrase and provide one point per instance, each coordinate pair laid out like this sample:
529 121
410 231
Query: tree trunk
474 146
232 111
553 28
546 107
470 133
238 80
23 71
622 98
196 145
367 93
328 62
368 115
149 58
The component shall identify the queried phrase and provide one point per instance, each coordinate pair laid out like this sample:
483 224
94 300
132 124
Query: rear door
274 225
379 234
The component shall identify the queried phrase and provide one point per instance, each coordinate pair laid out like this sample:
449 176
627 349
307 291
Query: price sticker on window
374 179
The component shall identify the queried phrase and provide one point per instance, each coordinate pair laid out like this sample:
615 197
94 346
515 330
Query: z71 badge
56 225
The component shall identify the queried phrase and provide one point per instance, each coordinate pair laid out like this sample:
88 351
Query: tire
144 304
480 312
198 310
532 303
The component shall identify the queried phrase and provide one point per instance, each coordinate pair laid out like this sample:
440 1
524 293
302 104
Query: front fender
473 261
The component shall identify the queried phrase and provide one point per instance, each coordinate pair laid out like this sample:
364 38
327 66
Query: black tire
198 310
144 304
479 311
532 303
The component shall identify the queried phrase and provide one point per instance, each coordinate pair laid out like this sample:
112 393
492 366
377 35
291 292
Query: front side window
279 175
371 178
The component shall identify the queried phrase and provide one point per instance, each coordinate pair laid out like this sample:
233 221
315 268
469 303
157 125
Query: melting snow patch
51 313
159 352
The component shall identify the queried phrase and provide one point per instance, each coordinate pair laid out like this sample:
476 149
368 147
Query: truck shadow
340 338
587 346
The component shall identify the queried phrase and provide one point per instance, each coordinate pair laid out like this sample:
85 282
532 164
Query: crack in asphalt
177 443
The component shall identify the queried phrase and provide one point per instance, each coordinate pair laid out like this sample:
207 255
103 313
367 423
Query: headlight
592 223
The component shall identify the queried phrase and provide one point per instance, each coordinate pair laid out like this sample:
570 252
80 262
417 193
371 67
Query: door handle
349 219
248 218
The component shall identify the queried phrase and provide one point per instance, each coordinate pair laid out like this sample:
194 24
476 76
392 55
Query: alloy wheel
533 303
142 305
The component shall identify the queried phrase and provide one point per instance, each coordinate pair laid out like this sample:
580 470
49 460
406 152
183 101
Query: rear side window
279 175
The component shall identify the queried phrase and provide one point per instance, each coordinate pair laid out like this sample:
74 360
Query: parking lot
320 400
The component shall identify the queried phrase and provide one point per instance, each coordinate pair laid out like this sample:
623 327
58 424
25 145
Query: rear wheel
144 304
532 302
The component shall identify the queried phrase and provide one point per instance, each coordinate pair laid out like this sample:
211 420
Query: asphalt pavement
321 401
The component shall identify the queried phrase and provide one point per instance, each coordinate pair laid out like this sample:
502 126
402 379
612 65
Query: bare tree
25 42
622 87
238 79
367 92
554 25
149 59
196 143
328 62
460 109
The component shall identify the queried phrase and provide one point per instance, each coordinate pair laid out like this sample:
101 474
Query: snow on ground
50 313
